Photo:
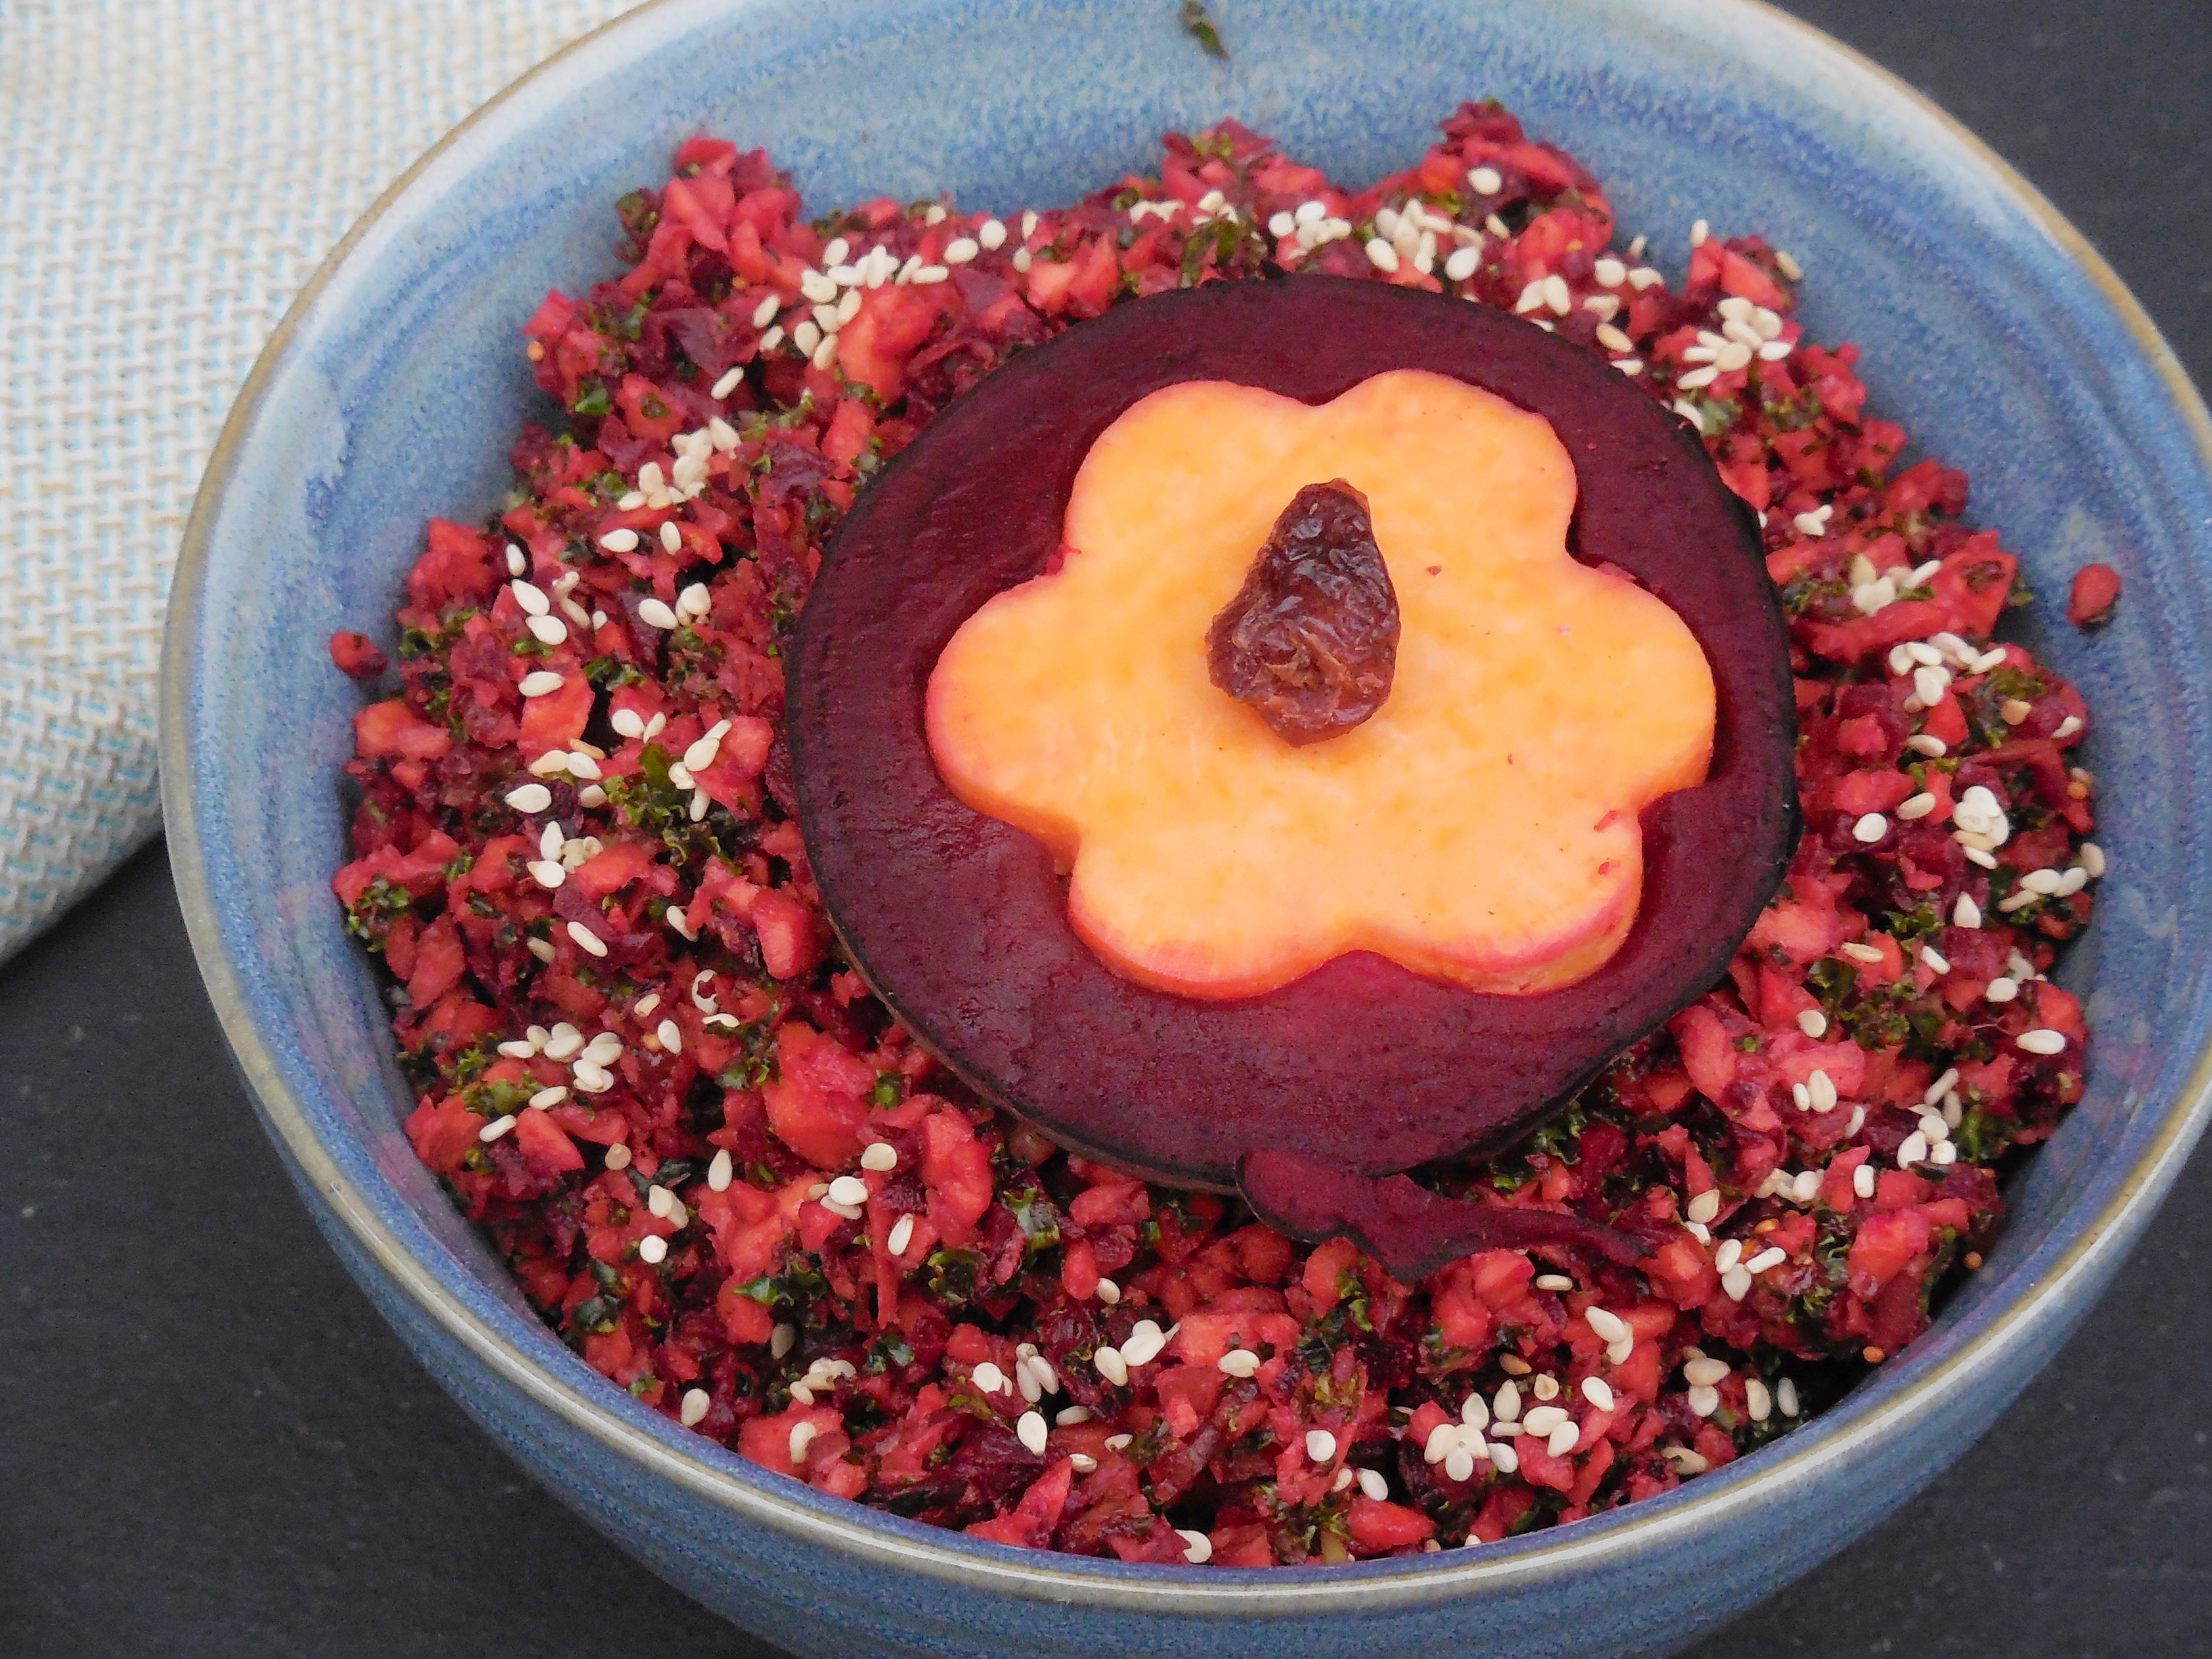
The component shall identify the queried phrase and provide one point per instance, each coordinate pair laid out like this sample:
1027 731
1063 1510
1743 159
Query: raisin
1311 642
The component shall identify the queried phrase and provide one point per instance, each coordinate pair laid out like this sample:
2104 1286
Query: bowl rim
867 1537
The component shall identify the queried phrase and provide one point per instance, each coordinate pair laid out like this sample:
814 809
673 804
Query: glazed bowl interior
395 388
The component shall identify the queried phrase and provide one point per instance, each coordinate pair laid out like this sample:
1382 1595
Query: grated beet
1012 1242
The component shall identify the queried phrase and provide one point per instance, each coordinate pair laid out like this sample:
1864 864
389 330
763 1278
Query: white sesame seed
1858 952
2043 882
879 1156
621 539
1068 1416
989 1378
1966 912
1936 962
1109 1292
1032 1430
657 614
1705 1207
1542 1419
1459 1464
1609 1326
653 1249
547 874
1320 1445
530 598
1474 1413
848 1189
1238 1362
929 274
1553 1282
1505 1404
1461 262
520 1049
1703 1400
1698 379
1978 856
901 1235
530 798
585 938
1704 1372
2019 901
2041 1040
1381 255
1870 828
1770 1257
720 1171
1613 339
1757 1400
1372 1482
1862 1180
1730 1252
696 1404
2093 860
1485 182
1736 1283
551 630
1111 1366
1597 1393
802 1436
1914 1150
1547 1387
2003 988
493 1130
517 565
1698 232
1785 1395
1143 1344
1198 1548
961 250
542 683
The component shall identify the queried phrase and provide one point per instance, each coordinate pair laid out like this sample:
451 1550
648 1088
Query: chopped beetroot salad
741 1192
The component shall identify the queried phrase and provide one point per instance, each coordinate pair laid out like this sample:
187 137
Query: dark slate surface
213 1446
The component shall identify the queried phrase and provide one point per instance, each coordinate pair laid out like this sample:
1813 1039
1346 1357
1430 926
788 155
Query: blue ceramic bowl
390 392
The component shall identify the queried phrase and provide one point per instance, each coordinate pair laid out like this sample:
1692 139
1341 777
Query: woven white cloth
175 170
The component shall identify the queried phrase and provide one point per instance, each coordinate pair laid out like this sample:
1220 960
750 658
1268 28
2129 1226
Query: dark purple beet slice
1408 1228
959 922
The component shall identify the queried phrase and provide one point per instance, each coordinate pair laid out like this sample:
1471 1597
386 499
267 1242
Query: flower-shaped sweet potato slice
1480 828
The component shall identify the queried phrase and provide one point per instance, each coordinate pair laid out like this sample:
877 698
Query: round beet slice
1362 1068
